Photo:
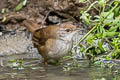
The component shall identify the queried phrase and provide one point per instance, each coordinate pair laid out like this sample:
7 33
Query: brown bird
54 41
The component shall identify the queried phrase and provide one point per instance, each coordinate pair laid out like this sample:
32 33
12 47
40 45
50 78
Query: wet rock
16 44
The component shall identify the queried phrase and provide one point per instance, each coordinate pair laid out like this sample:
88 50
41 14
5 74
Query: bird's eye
68 30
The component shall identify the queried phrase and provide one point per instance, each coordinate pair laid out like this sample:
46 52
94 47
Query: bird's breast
60 49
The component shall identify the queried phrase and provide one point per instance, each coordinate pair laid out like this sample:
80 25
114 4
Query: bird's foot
51 62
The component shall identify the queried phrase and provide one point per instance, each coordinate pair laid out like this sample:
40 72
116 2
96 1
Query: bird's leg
45 62
51 62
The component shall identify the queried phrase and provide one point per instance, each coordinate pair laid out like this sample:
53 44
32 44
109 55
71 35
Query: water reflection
34 70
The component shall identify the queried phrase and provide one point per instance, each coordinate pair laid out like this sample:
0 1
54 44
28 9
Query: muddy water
34 70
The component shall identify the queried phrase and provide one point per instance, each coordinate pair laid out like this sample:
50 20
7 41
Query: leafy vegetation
104 38
17 64
102 42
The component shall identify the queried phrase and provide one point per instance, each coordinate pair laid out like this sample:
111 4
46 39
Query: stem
85 36
111 10
91 6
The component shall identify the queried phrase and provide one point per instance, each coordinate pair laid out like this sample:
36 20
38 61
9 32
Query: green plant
103 40
17 64
20 5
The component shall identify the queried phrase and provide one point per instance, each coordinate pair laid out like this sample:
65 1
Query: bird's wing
31 25
40 36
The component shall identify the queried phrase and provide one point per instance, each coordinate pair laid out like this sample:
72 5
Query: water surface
35 70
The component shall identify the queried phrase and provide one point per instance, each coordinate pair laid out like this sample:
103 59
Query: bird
52 42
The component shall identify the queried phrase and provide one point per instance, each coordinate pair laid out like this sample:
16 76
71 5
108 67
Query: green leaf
107 58
115 22
99 35
97 50
3 11
108 22
24 2
116 11
103 14
113 28
82 1
100 29
110 16
101 3
82 49
111 34
20 5
90 38
4 19
86 18
100 46
109 19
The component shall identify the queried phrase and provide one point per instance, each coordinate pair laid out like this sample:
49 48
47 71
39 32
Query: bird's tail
31 25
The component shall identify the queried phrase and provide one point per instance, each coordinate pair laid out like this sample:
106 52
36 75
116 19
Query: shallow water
34 70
